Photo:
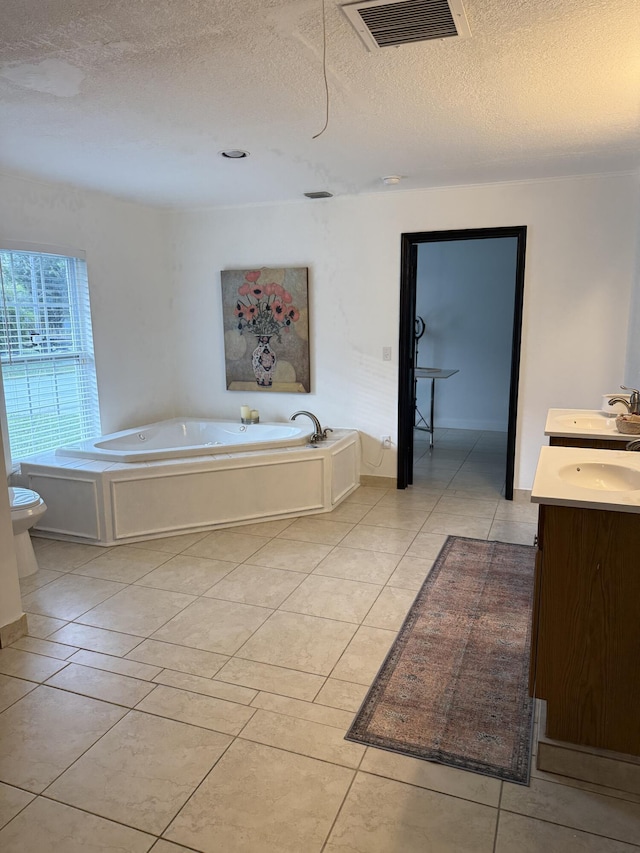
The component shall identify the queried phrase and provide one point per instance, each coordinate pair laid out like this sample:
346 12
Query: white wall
580 264
465 295
130 286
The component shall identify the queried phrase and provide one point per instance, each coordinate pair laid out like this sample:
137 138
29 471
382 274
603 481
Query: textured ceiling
137 97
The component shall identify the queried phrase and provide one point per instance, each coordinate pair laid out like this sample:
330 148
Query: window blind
46 352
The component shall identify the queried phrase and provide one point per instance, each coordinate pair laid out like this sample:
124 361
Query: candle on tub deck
255 414
245 412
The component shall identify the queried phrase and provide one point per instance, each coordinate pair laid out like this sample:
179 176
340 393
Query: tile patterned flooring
192 693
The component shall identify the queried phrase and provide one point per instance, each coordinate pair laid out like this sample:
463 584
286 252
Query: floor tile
12 689
100 684
349 512
358 565
44 647
387 539
12 801
95 639
457 525
132 668
293 640
319 530
380 815
43 626
43 733
518 532
517 511
48 827
168 847
256 585
181 658
197 709
332 598
137 610
575 808
265 528
295 556
206 686
311 711
427 546
142 771
27 665
212 625
285 803
397 517
341 694
304 737
170 544
67 556
366 495
527 835
123 564
431 775
193 575
70 596
364 655
390 609
411 573
274 679
225 545
41 578
466 507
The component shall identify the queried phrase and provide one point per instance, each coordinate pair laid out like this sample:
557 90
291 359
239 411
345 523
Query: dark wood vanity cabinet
585 654
599 443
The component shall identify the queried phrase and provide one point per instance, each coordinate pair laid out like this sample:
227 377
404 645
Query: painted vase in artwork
263 361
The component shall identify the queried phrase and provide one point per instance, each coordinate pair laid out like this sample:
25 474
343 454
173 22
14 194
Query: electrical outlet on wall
386 353
386 441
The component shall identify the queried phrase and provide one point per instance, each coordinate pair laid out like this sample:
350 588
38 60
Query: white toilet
27 508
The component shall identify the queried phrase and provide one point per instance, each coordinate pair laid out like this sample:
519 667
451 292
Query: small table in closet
431 373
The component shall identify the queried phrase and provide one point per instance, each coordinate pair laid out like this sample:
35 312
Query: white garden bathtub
94 497
181 437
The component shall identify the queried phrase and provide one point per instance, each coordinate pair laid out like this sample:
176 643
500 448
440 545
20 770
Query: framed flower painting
266 329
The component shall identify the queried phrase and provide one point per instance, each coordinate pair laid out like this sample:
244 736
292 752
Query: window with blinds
46 352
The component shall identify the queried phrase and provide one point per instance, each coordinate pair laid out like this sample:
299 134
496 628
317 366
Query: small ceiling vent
381 23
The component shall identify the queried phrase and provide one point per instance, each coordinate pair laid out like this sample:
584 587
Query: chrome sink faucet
319 434
634 445
633 404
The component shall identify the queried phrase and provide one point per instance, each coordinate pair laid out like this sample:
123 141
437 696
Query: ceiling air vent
381 23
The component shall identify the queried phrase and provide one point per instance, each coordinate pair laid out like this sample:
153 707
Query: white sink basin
604 476
594 422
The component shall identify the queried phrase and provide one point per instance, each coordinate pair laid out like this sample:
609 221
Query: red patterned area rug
454 686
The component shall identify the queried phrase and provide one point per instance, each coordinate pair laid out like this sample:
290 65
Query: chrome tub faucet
633 404
319 434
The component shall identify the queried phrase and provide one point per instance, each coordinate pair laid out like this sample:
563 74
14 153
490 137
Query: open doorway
451 275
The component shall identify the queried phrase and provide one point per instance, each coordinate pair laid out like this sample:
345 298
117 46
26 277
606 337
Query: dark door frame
408 273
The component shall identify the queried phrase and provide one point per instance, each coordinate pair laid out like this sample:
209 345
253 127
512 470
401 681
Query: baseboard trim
13 631
378 482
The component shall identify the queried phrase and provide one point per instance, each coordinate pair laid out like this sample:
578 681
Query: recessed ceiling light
390 180
234 154
320 194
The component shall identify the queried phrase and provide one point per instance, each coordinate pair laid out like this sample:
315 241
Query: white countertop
561 470
583 423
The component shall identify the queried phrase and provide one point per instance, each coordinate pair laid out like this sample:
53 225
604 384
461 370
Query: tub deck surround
183 437
105 503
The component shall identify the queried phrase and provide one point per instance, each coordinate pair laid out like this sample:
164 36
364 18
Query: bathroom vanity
586 623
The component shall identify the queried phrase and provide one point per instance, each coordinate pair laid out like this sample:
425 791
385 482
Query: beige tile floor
192 693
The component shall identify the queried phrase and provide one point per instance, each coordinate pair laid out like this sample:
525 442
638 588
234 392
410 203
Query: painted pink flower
287 297
253 275
278 289
243 289
278 310
257 291
292 314
251 312
269 289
